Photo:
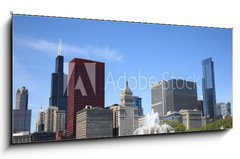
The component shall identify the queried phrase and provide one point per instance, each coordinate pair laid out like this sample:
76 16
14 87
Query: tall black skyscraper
208 86
58 96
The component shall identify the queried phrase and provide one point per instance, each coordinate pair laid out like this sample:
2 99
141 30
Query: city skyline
183 47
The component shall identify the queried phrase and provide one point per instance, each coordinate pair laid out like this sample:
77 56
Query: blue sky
143 51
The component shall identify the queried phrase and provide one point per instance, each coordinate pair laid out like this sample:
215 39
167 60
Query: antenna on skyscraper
60 47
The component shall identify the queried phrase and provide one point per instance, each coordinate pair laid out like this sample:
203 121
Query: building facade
200 106
40 121
54 119
173 116
21 114
93 122
50 119
21 137
138 103
126 113
158 97
115 112
141 120
173 95
86 87
208 88
43 136
192 118
223 109
60 121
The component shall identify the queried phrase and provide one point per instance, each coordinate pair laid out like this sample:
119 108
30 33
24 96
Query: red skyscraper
86 87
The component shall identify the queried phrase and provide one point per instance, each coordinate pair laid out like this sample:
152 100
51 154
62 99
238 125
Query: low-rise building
94 122
192 118
43 136
172 116
21 137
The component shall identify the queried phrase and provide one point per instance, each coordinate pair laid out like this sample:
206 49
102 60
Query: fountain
152 125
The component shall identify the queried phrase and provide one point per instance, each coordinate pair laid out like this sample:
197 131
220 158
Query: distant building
141 120
223 109
172 116
227 110
54 119
50 119
43 136
173 95
158 95
94 123
21 115
40 121
208 87
126 114
21 137
138 103
115 109
86 87
192 118
200 106
60 122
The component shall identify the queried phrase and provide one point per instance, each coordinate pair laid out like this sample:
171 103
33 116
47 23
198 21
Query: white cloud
36 44
107 54
90 51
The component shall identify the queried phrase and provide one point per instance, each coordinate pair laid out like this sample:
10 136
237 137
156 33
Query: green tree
216 125
178 127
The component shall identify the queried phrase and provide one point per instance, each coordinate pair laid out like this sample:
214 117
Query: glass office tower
208 86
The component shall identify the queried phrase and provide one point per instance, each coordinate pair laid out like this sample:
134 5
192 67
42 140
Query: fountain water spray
152 125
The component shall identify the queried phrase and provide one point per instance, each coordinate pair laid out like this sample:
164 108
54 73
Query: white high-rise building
54 119
126 113
50 119
158 95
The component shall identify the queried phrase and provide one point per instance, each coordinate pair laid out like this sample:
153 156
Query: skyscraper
137 101
51 119
158 97
173 95
208 88
58 96
125 115
86 87
21 115
54 119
